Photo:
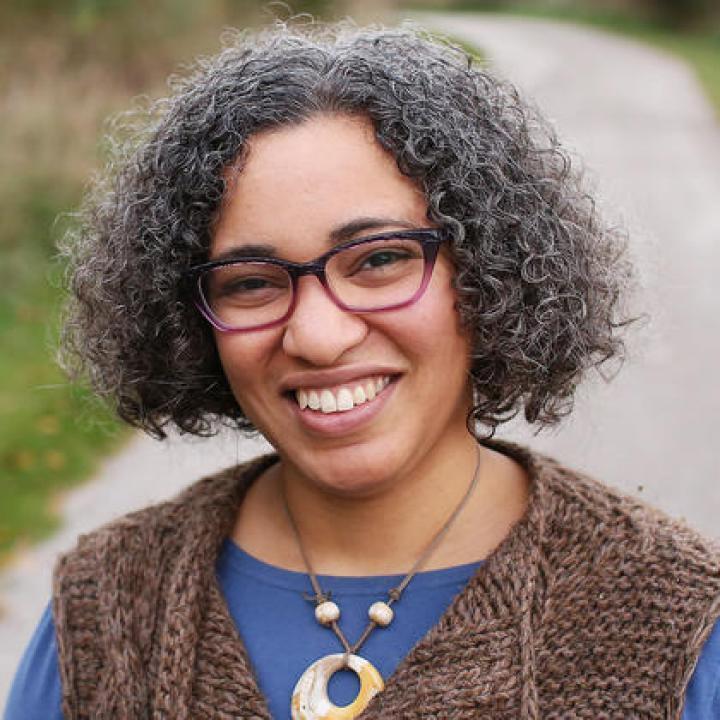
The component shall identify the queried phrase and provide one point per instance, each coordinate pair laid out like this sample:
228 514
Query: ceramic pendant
310 700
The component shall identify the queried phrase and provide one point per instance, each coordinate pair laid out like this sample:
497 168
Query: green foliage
685 14
316 8
51 434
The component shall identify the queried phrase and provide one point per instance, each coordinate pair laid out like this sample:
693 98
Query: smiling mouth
342 398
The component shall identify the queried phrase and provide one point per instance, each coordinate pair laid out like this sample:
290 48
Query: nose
319 331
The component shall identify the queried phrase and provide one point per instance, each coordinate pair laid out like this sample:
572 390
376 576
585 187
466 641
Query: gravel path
641 122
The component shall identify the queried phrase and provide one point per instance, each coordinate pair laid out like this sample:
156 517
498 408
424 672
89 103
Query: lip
342 423
318 379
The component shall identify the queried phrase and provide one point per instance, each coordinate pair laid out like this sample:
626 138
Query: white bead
381 613
327 612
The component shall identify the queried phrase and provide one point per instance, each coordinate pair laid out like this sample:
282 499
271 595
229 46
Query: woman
373 253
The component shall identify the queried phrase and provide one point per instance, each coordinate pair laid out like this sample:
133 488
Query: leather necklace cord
395 593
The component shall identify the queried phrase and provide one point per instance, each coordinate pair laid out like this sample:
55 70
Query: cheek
435 320
245 359
431 333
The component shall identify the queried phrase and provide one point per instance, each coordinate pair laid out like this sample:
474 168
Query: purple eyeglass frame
429 238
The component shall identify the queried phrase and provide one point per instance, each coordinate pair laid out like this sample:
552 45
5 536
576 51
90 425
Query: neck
386 532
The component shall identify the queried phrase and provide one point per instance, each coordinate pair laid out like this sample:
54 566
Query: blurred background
68 65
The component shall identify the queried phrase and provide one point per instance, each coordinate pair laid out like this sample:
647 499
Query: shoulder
126 558
613 525
163 526
623 590
110 592
647 559
618 568
586 517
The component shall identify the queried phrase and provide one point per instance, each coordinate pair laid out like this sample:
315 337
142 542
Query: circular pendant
310 700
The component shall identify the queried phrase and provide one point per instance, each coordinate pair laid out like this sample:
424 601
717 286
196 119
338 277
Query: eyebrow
338 235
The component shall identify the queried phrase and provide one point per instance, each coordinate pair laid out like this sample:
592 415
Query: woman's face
299 187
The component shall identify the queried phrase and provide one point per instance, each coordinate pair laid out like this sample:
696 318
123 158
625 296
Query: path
644 127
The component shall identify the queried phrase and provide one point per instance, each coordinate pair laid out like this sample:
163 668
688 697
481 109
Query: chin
352 470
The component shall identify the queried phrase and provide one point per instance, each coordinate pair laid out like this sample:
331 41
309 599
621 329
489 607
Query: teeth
328 404
302 399
359 396
344 399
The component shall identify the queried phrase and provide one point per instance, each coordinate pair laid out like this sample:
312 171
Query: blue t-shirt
262 598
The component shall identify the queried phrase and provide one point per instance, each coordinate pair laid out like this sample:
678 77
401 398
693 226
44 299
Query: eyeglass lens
369 276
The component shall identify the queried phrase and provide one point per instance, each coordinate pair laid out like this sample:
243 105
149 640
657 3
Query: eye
382 258
246 283
381 261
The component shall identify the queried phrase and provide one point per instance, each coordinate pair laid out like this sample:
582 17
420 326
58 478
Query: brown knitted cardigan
594 606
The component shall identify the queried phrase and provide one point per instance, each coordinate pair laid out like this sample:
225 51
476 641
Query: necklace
310 700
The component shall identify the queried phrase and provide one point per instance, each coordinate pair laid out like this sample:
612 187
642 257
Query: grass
700 48
51 434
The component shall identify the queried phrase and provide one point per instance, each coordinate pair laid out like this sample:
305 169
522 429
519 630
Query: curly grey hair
540 277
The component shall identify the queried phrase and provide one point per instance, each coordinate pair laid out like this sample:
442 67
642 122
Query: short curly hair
540 277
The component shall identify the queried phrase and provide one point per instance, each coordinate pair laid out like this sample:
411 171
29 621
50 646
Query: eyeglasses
372 274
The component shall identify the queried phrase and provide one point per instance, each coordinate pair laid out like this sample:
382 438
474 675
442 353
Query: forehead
296 184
